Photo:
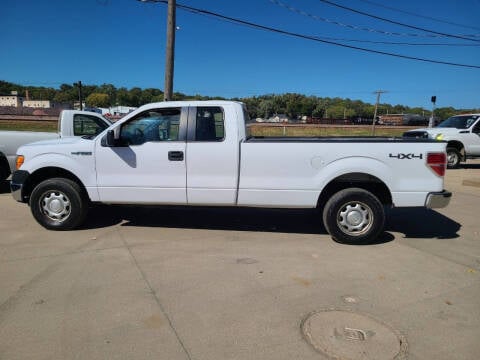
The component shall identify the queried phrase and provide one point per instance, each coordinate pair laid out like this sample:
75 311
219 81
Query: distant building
16 101
119 110
278 118
44 104
76 105
11 100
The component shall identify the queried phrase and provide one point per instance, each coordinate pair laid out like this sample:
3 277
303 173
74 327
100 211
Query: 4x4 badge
406 156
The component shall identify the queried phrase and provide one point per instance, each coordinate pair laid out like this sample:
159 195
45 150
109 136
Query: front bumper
19 178
436 200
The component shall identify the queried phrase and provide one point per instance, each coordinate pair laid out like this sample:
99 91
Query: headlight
439 137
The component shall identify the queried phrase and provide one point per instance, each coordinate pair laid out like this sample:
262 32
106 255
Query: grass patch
28 126
321 131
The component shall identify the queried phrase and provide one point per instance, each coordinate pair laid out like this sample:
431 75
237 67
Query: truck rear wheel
58 204
453 158
354 216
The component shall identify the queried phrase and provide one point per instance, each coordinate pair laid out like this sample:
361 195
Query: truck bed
337 139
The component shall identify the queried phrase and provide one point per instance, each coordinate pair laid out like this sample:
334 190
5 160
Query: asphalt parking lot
143 283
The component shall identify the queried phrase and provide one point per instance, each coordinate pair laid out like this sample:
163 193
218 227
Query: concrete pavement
176 283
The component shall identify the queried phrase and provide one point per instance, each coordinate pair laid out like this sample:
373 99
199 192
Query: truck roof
189 103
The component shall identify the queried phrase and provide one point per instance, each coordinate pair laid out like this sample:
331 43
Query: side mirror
110 139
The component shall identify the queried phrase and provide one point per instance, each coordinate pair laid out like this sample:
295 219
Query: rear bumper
19 178
436 200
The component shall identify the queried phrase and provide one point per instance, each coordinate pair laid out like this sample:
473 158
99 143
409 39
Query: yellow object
19 161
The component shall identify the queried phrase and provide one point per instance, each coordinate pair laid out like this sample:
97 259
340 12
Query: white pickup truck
70 123
198 153
462 134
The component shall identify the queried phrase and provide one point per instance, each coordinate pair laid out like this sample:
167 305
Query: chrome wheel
452 159
355 218
59 204
55 205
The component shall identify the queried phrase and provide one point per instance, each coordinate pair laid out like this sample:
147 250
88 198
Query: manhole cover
351 336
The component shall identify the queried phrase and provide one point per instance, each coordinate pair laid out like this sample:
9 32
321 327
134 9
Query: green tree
98 100
308 105
266 109
445 113
319 111
293 105
122 97
67 93
134 96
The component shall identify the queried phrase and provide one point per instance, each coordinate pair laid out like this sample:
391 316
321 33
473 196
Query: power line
362 41
355 27
396 22
400 43
306 37
419 16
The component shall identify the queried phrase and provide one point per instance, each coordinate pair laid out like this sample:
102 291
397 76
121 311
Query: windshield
459 122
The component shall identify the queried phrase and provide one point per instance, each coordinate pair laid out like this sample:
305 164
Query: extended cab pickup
198 153
462 134
70 123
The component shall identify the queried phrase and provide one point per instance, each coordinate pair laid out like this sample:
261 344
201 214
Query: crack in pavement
154 294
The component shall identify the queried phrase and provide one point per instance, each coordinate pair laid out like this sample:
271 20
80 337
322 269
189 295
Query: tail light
437 162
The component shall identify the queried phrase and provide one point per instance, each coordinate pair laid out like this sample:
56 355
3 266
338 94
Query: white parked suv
462 134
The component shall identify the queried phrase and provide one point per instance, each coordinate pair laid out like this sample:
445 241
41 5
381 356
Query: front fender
82 167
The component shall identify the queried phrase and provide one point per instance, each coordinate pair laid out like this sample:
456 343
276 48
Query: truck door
212 155
148 165
474 142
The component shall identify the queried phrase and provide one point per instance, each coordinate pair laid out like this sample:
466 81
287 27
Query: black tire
4 169
58 204
453 158
354 216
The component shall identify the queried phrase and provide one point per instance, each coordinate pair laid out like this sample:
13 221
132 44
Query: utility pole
170 53
80 97
378 92
431 121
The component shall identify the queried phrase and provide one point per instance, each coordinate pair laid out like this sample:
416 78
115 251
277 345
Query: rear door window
209 124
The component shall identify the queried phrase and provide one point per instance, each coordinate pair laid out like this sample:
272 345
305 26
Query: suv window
210 124
152 125
87 125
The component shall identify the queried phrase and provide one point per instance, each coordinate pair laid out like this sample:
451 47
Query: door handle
175 155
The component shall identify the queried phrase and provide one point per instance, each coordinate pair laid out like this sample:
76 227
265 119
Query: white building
44 104
11 100
119 110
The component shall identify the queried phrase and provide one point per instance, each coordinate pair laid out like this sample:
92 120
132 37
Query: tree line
264 106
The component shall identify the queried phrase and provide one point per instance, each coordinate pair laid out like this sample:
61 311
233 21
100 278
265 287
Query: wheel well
457 145
47 173
357 180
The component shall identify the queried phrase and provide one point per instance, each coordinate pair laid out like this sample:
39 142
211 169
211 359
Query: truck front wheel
453 158
354 216
58 204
